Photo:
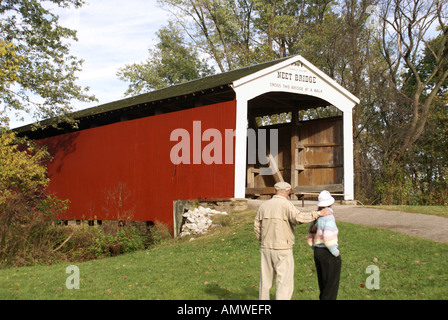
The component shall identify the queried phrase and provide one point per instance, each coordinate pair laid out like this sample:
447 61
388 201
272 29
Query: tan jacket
275 223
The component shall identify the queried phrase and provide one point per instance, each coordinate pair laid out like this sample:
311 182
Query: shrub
22 168
394 186
126 239
27 234
159 233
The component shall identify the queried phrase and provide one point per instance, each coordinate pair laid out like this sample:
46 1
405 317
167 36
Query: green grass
441 211
224 264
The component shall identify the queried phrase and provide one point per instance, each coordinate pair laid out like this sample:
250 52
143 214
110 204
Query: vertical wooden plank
323 142
294 142
125 168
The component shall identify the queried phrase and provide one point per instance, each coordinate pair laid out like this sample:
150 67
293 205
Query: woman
323 238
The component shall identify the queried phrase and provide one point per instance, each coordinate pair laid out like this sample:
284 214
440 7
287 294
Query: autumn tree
37 76
22 169
9 67
26 211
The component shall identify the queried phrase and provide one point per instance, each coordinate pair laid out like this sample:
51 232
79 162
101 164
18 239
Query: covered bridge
130 159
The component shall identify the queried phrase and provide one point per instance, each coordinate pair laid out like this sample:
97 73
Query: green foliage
9 67
172 62
22 168
239 33
124 240
395 187
26 212
51 206
35 59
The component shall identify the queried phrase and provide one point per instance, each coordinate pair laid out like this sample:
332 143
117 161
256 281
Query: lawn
224 264
441 211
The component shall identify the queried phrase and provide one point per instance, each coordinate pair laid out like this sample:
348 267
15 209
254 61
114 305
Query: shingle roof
186 88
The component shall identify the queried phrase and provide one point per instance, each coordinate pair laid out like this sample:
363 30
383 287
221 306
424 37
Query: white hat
325 199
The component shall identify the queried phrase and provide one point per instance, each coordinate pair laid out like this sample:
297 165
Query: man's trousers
277 264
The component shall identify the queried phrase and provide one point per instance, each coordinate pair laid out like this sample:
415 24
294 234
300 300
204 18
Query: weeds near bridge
30 233
27 233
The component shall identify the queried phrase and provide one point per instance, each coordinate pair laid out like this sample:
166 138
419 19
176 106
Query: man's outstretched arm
307 217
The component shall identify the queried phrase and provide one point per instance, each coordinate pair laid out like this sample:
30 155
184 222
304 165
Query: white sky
111 34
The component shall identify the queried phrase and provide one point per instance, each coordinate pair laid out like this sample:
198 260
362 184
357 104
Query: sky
111 34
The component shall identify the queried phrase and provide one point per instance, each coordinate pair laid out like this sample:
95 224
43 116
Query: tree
219 28
237 33
22 172
170 63
9 67
407 27
26 211
397 70
430 161
41 73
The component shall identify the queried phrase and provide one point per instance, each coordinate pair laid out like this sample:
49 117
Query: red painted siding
124 170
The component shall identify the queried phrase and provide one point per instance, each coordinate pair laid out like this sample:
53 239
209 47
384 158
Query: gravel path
418 225
414 224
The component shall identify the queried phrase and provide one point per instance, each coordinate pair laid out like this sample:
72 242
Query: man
274 227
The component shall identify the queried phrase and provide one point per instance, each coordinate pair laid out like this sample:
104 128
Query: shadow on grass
247 293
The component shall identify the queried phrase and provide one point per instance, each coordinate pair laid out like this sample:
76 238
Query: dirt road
414 224
418 225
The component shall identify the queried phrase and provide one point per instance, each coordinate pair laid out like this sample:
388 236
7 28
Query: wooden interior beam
273 165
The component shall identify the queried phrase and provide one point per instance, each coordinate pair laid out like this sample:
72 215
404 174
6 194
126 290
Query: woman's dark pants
328 269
